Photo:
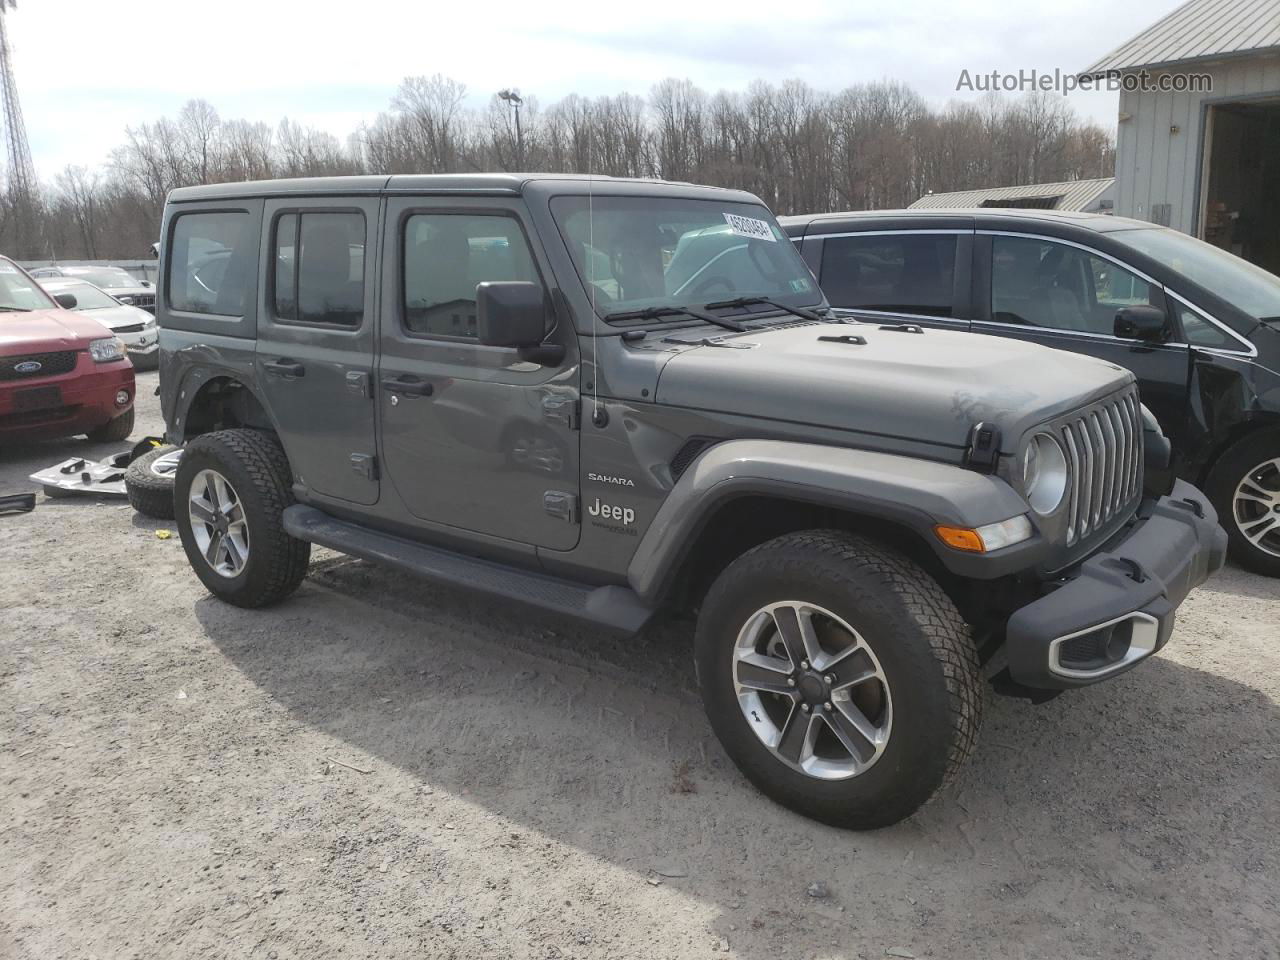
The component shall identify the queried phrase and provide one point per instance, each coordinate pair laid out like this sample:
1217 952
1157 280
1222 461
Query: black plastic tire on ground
150 491
916 641
113 430
254 466
1244 487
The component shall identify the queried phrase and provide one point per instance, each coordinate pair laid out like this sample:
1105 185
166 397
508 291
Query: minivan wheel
230 492
1244 487
839 677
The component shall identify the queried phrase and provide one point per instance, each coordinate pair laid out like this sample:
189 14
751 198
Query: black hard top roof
484 184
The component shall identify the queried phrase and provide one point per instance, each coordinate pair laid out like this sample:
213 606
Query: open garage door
1242 181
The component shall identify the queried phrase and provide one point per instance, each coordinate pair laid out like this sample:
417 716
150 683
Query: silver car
134 326
118 282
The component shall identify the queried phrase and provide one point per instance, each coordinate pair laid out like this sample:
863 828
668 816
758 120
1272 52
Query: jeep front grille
1104 450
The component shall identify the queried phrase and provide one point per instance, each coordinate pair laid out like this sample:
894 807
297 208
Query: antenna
22 172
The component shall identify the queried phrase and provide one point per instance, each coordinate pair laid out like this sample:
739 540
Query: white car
117 281
134 326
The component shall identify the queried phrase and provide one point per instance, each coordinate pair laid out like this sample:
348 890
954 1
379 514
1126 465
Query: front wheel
839 677
230 492
1244 487
118 428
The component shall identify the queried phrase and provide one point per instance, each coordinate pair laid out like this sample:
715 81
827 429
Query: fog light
122 397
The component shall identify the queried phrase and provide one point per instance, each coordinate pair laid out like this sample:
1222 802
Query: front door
316 333
1066 296
473 438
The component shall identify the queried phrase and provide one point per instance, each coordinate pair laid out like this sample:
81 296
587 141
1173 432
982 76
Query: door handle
411 387
284 367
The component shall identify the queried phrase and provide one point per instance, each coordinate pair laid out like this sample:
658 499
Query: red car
61 373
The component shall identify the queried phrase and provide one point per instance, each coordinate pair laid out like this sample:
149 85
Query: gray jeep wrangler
617 400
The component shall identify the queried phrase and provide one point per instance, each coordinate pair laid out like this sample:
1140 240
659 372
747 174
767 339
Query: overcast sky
88 69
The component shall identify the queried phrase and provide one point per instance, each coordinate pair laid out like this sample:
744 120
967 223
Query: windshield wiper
8 309
739 302
653 313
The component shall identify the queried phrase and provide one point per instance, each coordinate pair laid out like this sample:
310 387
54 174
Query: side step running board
615 608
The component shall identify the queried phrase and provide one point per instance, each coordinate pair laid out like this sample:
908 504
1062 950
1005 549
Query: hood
121 316
45 331
931 386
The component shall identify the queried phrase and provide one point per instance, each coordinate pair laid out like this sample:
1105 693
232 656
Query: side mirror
512 313
1141 323
66 301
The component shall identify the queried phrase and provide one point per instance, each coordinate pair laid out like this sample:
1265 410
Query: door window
897 273
446 256
211 263
319 268
1045 284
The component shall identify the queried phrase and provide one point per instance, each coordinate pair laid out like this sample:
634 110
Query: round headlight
1044 474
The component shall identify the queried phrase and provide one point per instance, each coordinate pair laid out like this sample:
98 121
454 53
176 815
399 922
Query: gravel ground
380 767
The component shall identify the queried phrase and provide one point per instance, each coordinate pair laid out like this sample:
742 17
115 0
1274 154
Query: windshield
634 253
1246 287
88 297
107 279
19 292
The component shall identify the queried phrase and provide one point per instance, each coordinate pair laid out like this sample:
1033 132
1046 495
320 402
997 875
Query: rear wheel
113 430
230 492
839 677
1244 487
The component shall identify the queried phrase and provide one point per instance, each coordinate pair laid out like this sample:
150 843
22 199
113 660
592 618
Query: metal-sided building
1079 196
1207 161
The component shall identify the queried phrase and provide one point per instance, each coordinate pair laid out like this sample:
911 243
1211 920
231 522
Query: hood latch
984 448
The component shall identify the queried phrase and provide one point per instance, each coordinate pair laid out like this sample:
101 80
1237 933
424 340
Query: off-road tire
923 645
149 494
113 430
255 465
1220 487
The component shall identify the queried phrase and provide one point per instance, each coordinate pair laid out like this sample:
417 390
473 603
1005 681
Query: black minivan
1200 328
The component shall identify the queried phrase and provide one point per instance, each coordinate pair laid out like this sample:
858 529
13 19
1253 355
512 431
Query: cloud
87 70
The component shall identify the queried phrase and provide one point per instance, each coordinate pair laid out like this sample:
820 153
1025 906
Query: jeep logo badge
609 512
27 366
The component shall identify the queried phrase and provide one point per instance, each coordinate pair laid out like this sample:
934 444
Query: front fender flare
917 494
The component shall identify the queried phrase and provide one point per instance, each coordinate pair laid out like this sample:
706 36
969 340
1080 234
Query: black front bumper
1117 607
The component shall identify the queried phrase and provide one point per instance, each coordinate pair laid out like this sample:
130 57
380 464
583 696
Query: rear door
316 335
473 438
905 275
1065 295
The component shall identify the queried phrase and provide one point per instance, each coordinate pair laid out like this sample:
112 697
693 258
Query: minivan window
319 268
897 273
446 256
1246 287
1045 284
633 253
211 263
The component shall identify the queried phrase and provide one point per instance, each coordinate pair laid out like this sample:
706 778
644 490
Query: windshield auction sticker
749 227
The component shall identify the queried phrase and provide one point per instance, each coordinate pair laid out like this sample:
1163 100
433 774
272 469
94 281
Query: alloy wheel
218 523
1256 506
812 690
165 465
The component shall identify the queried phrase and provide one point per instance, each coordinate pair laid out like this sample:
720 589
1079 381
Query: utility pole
512 97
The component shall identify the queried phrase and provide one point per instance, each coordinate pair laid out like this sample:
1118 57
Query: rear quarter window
212 258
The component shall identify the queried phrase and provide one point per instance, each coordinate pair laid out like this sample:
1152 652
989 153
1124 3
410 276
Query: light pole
513 97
